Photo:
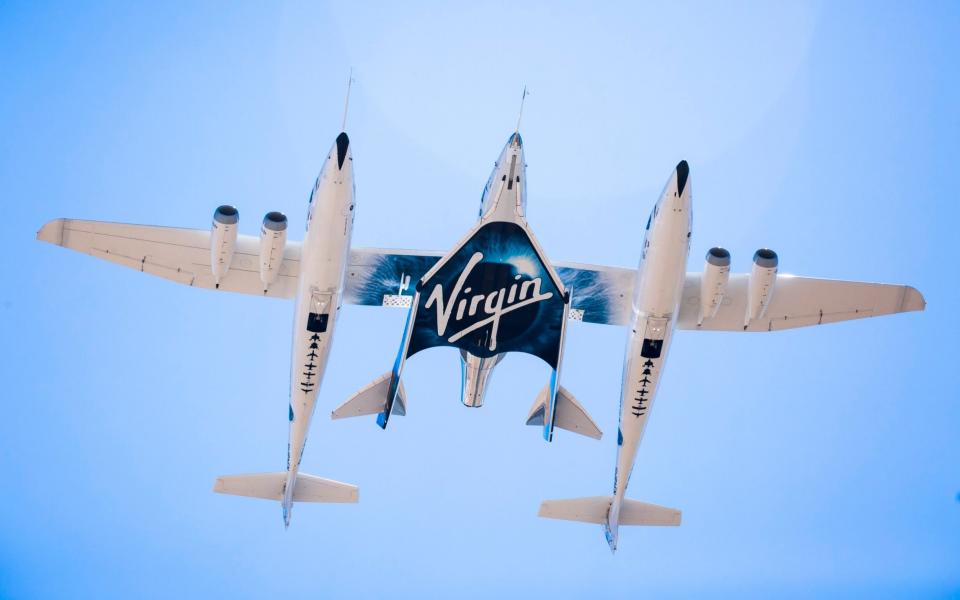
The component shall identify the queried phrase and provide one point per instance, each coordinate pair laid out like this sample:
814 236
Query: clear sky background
820 461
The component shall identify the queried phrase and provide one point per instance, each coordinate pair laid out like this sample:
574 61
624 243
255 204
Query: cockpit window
649 219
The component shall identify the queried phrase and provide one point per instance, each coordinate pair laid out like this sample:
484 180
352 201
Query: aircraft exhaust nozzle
475 373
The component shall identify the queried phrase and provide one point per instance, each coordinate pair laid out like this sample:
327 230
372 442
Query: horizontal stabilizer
269 486
595 509
372 399
570 414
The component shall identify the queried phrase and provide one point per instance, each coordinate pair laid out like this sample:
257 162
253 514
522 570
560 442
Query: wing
379 277
181 255
382 277
798 302
599 294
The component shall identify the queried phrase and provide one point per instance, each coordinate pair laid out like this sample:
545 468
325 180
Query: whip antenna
522 99
346 103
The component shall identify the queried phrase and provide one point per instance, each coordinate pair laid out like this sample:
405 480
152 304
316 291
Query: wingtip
913 300
51 232
541 511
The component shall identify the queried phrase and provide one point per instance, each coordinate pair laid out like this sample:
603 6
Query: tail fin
269 486
570 414
372 399
595 509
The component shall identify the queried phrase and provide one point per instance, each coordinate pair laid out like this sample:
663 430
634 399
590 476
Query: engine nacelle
713 282
273 240
223 240
763 276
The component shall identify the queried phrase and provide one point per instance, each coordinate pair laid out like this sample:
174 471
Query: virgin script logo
494 305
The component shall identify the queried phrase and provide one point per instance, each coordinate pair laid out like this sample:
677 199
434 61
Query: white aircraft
495 292
311 271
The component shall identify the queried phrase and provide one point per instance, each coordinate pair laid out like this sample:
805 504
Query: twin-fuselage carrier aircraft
495 292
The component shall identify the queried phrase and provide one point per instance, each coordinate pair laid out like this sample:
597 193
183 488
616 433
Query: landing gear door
654 332
321 305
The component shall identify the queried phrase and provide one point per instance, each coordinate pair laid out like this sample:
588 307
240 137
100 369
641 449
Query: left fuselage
323 256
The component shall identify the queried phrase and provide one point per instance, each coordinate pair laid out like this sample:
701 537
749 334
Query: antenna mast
522 99
346 103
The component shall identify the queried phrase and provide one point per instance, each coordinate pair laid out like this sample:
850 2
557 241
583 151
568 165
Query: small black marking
683 172
317 323
651 349
343 142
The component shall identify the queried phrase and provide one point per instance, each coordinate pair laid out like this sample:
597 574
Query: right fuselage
657 291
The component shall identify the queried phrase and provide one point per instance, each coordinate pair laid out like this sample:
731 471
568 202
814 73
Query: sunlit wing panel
181 255
798 302
383 277
600 294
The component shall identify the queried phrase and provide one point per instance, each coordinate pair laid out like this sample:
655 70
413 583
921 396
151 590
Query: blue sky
821 461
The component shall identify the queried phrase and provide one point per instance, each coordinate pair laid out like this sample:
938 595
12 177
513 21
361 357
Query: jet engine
223 240
273 239
763 276
713 283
